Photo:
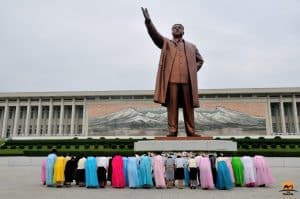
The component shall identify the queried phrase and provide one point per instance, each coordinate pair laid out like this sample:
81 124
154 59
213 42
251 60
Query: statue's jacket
167 56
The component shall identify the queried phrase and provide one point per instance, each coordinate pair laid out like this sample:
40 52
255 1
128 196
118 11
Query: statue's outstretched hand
146 14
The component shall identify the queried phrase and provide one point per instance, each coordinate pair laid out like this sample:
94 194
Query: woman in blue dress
224 180
146 171
91 178
133 173
50 167
125 161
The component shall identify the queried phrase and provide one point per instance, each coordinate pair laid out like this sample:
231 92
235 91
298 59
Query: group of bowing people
158 170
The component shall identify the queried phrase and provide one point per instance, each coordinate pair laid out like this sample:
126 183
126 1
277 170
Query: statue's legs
180 93
188 111
172 109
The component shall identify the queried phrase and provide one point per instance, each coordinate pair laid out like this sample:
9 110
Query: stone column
38 121
269 125
73 117
50 118
28 113
16 120
84 119
61 116
282 116
295 114
5 116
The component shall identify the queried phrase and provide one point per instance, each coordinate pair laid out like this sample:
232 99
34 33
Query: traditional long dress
263 172
59 170
91 178
43 172
228 162
146 171
186 173
238 170
249 171
118 178
132 173
224 180
70 171
212 159
125 162
158 163
50 169
206 177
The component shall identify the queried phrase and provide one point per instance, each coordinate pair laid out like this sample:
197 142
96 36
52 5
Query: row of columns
38 122
282 116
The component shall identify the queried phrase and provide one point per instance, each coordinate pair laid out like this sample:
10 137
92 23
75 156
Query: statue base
185 144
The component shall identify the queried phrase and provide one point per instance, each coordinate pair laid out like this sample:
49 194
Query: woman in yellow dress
59 171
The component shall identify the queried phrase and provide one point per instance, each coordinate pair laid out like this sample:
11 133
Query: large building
253 111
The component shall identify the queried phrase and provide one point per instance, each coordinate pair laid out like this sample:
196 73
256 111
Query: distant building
250 111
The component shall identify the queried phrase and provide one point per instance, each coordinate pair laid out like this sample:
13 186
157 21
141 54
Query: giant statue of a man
176 80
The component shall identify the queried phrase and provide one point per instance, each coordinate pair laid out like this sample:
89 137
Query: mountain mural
155 119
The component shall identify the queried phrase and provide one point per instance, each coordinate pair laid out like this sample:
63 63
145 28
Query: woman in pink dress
206 177
158 165
263 173
118 178
43 172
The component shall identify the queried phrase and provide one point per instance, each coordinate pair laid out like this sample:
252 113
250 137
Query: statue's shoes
193 135
172 135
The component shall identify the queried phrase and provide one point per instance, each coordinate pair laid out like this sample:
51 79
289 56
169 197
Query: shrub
245 146
76 146
21 147
130 146
264 146
283 146
30 147
273 146
86 146
96 146
121 146
39 146
277 137
255 145
68 146
292 146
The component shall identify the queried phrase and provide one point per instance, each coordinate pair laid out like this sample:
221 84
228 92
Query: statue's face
177 30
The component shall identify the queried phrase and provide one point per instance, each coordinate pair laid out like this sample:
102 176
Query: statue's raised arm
157 38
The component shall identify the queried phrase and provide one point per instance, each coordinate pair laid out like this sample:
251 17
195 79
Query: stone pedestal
185 144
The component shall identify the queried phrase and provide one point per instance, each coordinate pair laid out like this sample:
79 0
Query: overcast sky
95 45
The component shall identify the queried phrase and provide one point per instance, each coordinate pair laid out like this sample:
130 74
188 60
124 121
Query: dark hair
178 24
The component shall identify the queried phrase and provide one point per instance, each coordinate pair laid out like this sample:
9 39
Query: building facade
262 111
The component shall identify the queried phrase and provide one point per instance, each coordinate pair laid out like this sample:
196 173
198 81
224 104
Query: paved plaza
23 181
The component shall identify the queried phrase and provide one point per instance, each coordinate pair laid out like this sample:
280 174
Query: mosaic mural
148 119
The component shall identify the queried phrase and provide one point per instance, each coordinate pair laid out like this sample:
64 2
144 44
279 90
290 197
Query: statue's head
177 30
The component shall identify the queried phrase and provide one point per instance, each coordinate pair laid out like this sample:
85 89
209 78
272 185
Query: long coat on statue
167 56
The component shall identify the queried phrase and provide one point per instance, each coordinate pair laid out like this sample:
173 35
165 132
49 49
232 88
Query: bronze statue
176 80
